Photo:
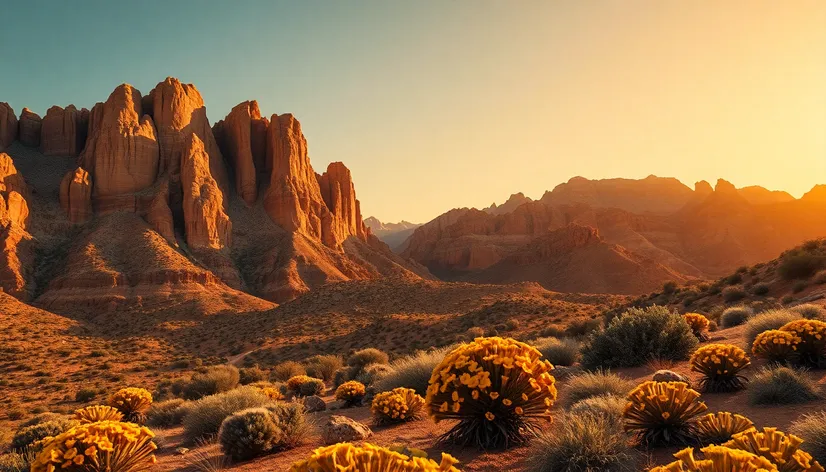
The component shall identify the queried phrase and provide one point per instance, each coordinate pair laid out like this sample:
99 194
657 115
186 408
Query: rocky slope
140 200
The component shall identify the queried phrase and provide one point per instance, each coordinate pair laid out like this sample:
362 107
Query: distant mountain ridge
392 234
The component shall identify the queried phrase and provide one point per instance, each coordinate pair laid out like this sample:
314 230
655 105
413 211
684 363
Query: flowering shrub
717 459
268 389
781 449
662 413
716 428
720 365
812 346
304 386
93 414
775 345
351 392
398 405
369 458
698 323
133 402
109 446
496 388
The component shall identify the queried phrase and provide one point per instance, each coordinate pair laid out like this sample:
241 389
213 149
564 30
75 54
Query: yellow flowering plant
346 457
663 413
105 446
775 345
133 402
351 392
717 459
699 325
496 388
812 346
93 414
716 428
781 449
720 365
396 406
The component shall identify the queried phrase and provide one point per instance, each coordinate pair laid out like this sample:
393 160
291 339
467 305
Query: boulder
8 126
670 376
343 429
207 225
242 138
76 195
30 124
314 403
63 131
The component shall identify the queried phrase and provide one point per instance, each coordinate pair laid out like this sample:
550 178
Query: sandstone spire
8 126
207 226
30 123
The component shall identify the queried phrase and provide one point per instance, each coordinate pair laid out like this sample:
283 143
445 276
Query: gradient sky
442 104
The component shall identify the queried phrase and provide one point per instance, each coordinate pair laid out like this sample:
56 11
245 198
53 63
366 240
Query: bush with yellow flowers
781 449
268 389
663 413
716 428
717 459
775 345
812 346
720 365
396 406
133 402
496 388
105 446
93 414
351 393
304 385
370 458
699 325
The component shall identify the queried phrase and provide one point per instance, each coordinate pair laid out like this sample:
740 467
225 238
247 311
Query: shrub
812 429
216 379
342 375
717 428
291 419
699 325
582 327
43 417
351 393
304 386
363 358
669 287
16 461
811 349
609 406
372 373
771 319
583 443
287 369
323 366
595 384
636 336
133 402
820 277
799 287
167 413
781 386
720 365
249 433
85 394
252 374
109 445
732 294
717 458
800 266
93 414
396 406
269 389
735 316
760 289
368 457
412 371
776 447
563 352
663 413
27 436
810 311
776 346
492 409
204 416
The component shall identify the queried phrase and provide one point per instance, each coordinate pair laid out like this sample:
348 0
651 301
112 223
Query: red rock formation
76 195
515 200
661 195
16 255
8 126
244 138
95 119
207 226
757 195
339 195
703 188
30 123
160 216
63 131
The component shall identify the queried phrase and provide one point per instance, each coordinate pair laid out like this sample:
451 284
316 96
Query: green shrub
286 370
770 319
412 371
734 278
801 265
782 386
732 294
669 287
216 379
26 436
609 406
638 335
810 311
167 413
372 373
342 375
293 422
204 416
735 316
323 366
363 358
812 429
583 443
760 289
85 394
248 375
583 327
564 352
249 433
595 384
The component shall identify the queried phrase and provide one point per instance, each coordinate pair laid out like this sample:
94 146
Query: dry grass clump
563 351
412 371
204 416
770 319
595 384
735 316
214 379
167 413
812 429
323 366
286 370
782 386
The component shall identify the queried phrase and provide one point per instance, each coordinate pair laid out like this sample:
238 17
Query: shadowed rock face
17 255
8 125
30 124
63 131
243 134
206 223
76 195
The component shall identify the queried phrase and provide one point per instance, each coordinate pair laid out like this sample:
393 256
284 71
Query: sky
437 104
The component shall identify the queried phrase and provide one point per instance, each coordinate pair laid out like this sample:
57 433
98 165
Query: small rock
181 450
670 376
343 429
314 403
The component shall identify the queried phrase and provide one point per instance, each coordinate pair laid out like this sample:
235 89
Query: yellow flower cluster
662 412
101 446
350 392
720 427
397 405
131 400
775 345
720 365
812 345
697 322
345 457
717 459
779 448
93 414
268 389
295 382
